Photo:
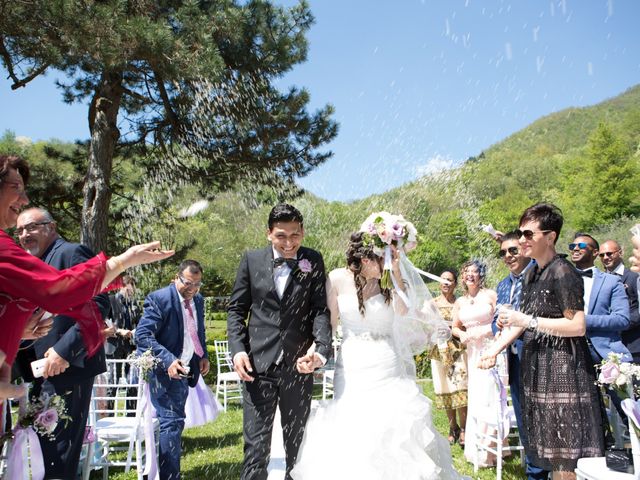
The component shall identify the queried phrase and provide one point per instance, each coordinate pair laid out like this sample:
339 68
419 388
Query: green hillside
586 160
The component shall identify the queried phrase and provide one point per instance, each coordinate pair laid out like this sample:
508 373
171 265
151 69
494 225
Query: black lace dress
561 407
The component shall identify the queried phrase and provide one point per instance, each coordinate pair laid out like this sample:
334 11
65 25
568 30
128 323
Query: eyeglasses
18 187
580 245
608 254
30 227
528 234
189 284
512 251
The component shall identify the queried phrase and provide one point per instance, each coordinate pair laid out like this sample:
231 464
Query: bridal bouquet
619 375
145 363
383 229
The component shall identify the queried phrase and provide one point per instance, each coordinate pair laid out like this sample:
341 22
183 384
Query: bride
379 424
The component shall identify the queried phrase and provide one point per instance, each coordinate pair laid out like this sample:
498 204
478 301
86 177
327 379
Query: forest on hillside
585 160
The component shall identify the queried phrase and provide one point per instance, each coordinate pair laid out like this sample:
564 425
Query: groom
277 311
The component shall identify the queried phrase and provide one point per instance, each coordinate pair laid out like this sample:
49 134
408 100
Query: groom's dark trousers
275 331
283 384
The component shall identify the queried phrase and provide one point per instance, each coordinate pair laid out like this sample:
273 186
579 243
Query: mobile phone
37 367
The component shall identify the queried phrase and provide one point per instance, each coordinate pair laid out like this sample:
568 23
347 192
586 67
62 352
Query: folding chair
228 383
500 424
117 415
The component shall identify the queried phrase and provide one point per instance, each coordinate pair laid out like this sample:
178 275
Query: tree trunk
103 116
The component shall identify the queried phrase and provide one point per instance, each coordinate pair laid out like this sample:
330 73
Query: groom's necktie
193 329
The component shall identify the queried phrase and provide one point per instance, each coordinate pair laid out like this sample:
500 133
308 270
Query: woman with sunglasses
561 408
472 315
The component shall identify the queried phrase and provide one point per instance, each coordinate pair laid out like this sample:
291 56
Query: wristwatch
533 323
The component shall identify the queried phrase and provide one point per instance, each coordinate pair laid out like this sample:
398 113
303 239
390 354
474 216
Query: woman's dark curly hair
359 249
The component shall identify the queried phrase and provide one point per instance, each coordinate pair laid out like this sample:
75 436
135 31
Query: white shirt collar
619 269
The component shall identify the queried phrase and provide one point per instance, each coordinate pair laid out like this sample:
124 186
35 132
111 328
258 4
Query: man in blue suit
172 327
605 300
509 292
610 254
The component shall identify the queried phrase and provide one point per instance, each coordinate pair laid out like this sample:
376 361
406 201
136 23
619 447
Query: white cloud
434 165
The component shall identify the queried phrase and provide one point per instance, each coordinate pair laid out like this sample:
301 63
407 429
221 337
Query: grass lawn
214 451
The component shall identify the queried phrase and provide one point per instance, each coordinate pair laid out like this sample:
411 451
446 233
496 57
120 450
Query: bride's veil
421 326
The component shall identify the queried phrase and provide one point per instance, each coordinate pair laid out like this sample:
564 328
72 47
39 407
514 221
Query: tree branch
17 83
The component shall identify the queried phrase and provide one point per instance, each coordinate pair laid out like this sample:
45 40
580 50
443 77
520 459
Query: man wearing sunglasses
611 257
509 292
172 327
606 303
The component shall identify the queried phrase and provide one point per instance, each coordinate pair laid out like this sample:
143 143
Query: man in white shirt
279 332
610 254
172 327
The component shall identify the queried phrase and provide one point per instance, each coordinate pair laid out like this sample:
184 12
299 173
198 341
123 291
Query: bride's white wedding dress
379 425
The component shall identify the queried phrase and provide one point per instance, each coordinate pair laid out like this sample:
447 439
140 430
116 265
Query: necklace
472 300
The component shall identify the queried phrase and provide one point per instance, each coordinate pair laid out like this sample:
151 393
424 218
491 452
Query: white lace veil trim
421 326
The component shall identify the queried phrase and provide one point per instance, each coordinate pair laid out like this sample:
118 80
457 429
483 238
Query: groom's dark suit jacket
289 324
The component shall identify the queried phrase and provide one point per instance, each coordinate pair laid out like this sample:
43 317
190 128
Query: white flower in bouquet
145 363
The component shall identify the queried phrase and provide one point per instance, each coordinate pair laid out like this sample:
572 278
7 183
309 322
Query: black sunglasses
580 245
528 234
608 254
512 250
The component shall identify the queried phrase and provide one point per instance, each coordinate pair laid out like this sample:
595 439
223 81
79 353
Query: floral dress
449 370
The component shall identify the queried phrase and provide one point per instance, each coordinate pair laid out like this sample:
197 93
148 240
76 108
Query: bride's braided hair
358 250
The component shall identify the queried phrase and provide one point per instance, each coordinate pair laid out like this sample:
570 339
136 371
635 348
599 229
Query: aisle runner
277 464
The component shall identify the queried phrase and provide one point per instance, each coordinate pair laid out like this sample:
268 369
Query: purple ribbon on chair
151 459
17 467
504 409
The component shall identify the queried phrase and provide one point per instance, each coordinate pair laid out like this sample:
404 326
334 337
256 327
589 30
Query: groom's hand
242 366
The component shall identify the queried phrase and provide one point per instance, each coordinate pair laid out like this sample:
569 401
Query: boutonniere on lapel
304 266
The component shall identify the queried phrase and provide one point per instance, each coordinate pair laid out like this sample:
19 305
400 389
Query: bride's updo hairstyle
358 250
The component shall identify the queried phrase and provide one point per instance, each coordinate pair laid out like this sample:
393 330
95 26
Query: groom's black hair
283 212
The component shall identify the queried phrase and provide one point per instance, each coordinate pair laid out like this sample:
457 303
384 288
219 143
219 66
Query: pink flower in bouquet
385 234
305 265
609 373
48 419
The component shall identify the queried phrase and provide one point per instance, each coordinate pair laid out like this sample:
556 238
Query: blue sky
421 84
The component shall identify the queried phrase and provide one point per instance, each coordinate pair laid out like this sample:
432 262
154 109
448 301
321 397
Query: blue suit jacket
161 329
504 296
608 315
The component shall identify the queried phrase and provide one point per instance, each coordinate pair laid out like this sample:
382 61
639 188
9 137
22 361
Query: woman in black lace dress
561 407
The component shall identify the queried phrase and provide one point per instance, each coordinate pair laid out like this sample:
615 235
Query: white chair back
116 415
228 384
